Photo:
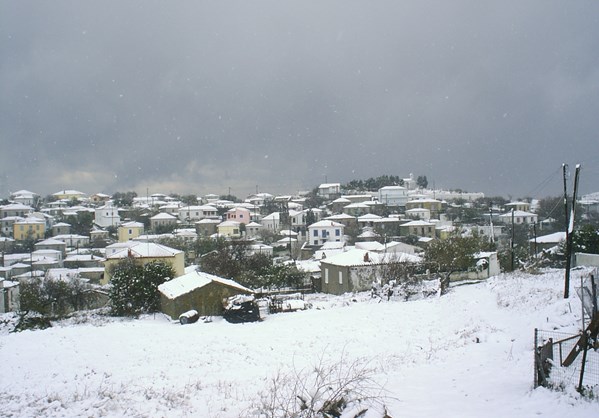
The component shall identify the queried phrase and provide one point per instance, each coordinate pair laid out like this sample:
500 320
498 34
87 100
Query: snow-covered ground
466 354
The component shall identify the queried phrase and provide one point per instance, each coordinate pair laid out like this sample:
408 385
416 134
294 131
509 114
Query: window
337 232
326 275
315 232
340 277
130 231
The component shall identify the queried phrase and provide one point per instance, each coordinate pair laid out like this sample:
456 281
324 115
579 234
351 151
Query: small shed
200 291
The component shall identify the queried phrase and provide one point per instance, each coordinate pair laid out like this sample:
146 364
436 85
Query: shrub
134 287
325 390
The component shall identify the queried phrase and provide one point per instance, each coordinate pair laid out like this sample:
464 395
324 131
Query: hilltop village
336 239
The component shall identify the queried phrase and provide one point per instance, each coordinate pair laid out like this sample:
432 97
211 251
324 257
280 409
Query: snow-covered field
466 354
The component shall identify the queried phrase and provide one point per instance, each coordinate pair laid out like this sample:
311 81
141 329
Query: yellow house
433 205
144 253
230 229
29 228
130 230
69 195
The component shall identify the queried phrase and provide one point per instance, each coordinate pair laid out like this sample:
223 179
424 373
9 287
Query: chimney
366 258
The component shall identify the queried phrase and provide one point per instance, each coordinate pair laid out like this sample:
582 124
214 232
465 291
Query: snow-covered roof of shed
196 279
554 238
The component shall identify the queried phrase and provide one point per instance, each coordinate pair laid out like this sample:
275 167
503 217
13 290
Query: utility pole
512 242
491 232
534 231
570 230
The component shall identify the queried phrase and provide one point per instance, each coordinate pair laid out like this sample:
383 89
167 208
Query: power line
550 178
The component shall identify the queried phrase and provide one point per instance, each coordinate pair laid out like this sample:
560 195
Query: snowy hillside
466 354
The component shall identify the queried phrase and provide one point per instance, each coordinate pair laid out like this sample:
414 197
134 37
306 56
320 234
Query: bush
325 390
134 287
50 297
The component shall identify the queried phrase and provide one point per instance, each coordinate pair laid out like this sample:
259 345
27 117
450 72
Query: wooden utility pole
570 228
512 242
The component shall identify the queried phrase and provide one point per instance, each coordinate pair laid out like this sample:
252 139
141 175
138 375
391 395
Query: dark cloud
202 96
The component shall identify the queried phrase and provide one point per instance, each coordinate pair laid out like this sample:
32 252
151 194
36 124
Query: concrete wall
583 259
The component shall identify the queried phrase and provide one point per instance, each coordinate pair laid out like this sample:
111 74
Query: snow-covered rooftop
146 249
195 280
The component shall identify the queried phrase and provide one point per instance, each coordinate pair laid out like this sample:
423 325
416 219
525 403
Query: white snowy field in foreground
466 354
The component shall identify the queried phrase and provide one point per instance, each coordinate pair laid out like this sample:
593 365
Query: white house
393 195
329 190
197 213
252 230
24 197
15 209
518 206
162 220
9 296
297 218
73 240
323 231
259 249
519 217
423 214
271 222
106 216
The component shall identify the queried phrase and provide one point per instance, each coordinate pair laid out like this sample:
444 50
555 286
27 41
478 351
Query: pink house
239 214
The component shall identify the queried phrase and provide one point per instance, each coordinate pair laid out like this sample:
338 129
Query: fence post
584 360
536 365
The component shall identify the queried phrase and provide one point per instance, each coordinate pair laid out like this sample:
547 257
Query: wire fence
561 362
566 360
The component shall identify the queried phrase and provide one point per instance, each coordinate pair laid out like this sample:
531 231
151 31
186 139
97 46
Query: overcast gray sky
280 96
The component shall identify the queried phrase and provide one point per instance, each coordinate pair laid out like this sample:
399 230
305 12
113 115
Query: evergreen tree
455 253
586 240
134 287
